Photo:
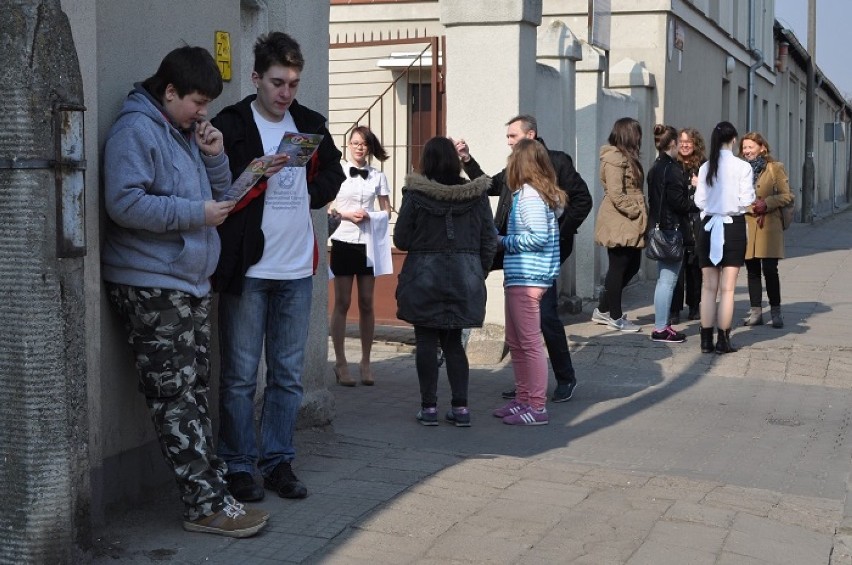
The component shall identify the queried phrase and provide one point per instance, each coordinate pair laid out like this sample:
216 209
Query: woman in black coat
691 153
446 226
668 205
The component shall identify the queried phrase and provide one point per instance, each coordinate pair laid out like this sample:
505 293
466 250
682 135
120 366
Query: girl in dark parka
446 226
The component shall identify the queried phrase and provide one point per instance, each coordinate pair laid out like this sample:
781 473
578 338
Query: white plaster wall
482 97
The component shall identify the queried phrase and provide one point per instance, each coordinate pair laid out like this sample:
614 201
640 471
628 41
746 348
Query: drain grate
791 422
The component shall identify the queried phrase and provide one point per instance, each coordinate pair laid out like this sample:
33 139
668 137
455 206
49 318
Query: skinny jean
523 335
623 265
667 272
426 360
769 267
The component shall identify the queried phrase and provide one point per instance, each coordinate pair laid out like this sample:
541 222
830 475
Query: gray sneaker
623 325
599 317
233 520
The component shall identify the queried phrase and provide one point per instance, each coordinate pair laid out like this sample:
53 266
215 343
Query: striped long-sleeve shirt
531 241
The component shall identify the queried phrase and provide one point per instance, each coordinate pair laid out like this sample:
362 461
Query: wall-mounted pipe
758 62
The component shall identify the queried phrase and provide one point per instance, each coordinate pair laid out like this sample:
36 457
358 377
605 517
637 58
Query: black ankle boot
723 342
706 340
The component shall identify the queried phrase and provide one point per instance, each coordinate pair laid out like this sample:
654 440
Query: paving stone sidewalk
663 456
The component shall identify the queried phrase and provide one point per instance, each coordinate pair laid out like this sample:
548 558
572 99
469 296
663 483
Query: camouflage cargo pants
169 333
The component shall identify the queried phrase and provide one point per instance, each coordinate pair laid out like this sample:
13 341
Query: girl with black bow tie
359 193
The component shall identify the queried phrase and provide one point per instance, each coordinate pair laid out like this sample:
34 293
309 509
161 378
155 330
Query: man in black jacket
579 206
269 255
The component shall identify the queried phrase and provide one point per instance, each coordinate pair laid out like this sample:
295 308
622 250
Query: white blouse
731 193
357 193
732 190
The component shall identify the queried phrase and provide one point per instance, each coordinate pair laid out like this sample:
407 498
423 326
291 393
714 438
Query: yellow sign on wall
223 53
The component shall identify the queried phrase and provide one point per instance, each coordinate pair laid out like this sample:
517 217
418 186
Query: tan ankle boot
755 317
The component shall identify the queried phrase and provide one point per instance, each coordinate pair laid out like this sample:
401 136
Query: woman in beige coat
765 232
622 220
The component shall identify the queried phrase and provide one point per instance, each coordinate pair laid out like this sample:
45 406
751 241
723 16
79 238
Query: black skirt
733 253
350 259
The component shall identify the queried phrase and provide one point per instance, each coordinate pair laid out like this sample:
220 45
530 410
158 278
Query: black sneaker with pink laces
668 335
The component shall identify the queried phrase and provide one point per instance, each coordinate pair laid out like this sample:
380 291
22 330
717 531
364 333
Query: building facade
679 62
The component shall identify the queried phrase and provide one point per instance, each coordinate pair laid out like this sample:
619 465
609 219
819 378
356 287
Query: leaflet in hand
298 147
249 177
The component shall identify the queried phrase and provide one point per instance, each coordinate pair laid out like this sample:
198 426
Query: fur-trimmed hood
467 192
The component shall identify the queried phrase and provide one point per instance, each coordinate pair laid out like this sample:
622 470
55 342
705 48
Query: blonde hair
530 164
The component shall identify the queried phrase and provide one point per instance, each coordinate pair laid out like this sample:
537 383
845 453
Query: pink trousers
523 336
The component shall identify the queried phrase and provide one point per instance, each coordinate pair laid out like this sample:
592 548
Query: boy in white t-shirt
269 255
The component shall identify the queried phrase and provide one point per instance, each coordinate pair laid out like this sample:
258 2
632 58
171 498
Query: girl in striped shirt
530 266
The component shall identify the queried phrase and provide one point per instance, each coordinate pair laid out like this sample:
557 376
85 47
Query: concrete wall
482 96
120 42
131 39
694 88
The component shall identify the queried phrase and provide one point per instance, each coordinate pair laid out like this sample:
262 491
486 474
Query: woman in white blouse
356 201
723 194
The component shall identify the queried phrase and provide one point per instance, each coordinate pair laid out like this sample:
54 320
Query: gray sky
834 18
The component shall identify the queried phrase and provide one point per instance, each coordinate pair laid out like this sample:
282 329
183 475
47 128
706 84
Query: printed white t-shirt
357 193
288 250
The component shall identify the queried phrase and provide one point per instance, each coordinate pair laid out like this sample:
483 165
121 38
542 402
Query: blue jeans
667 273
554 337
278 311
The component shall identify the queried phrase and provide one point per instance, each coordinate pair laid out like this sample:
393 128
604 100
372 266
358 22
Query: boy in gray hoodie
164 167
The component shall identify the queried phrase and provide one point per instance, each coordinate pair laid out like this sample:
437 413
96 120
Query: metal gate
395 87
399 94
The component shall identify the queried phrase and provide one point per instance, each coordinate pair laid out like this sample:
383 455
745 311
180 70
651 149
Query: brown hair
664 136
374 146
626 136
699 150
277 48
529 163
759 139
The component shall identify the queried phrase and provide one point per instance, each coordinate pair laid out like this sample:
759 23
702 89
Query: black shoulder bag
664 245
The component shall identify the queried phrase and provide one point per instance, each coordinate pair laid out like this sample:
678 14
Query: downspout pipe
758 62
834 159
848 126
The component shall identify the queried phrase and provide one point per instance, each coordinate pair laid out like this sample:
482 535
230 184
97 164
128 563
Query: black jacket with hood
448 232
242 238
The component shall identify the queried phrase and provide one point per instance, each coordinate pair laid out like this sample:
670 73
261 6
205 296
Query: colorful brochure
300 147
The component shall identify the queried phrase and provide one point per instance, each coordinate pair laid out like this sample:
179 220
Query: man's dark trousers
555 338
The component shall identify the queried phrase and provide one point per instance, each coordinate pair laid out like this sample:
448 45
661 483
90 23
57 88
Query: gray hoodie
155 184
